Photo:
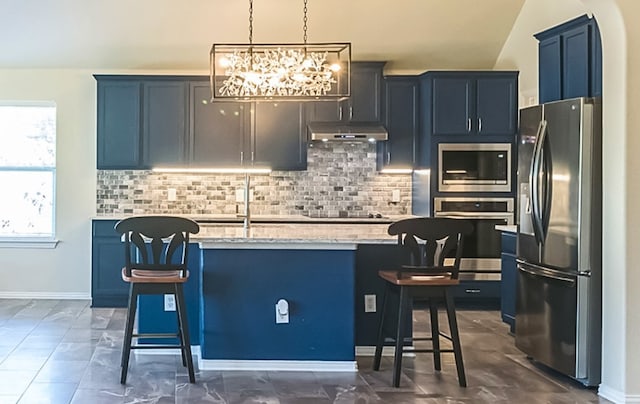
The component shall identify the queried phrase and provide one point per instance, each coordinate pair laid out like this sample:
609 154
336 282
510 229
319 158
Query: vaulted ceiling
412 35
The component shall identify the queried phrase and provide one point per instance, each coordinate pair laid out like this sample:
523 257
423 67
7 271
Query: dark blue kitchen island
242 275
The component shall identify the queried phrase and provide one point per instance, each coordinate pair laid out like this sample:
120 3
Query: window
27 169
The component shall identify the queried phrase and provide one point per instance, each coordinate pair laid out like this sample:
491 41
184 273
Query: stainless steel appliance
558 303
474 167
481 250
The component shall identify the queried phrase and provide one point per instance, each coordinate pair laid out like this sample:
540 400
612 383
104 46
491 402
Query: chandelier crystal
296 71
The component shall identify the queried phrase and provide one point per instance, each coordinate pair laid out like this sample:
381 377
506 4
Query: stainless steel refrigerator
558 303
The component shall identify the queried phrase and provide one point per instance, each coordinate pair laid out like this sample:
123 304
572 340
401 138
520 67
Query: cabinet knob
479 125
241 157
350 112
340 113
468 124
388 157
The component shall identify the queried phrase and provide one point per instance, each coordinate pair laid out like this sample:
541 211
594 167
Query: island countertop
292 236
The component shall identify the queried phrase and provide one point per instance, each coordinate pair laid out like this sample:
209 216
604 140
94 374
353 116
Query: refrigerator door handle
545 272
534 183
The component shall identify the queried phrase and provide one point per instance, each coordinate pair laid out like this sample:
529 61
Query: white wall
621 188
66 270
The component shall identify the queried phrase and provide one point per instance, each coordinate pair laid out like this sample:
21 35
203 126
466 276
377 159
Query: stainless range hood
330 131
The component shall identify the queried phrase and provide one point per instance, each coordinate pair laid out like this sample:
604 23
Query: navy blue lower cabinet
107 259
508 284
240 289
477 293
153 318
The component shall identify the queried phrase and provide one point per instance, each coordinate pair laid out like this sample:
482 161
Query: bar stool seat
432 248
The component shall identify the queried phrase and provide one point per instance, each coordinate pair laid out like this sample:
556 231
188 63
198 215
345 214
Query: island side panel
241 287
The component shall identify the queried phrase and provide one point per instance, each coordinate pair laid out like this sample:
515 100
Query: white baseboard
278 365
45 295
617 396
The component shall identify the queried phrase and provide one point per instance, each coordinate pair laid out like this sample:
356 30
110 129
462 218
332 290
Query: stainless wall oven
482 248
474 167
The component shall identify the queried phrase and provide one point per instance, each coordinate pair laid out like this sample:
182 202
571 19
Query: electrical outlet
169 302
395 195
239 195
369 303
171 194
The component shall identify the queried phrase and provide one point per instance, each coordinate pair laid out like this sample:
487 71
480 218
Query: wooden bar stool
156 250
425 276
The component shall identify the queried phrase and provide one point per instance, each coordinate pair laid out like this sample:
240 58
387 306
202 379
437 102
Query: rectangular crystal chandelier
304 71
288 71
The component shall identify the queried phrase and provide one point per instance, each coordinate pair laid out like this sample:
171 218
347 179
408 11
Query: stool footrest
156 346
152 335
427 350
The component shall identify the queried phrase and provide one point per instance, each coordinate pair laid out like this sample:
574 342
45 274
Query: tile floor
66 352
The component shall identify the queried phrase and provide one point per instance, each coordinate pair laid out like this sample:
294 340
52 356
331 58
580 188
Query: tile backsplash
340 181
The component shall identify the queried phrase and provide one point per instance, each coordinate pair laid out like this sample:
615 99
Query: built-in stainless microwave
474 167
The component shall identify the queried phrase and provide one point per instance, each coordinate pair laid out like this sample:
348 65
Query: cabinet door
218 129
496 105
549 70
107 259
364 103
401 120
452 104
324 111
118 131
164 123
575 58
280 136
596 61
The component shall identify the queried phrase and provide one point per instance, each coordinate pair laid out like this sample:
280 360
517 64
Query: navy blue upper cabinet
164 128
452 105
570 60
170 121
366 92
280 137
364 104
217 129
233 134
471 103
497 104
118 131
401 109
550 69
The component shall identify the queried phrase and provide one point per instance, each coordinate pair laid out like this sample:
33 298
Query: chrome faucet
247 212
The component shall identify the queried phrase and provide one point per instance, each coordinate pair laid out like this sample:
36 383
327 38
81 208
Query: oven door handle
475 215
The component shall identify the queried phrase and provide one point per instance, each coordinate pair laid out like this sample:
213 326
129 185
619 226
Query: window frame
35 241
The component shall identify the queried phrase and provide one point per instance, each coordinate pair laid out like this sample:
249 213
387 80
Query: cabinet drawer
509 243
104 228
477 289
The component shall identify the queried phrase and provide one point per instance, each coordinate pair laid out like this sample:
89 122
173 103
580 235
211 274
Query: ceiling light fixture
295 71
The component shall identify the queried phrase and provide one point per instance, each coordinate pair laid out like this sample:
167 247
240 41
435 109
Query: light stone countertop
511 228
310 236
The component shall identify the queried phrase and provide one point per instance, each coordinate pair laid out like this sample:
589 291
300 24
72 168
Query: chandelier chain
304 20
251 21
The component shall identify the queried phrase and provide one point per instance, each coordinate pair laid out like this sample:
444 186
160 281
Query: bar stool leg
397 360
380 341
455 337
184 329
435 334
128 334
